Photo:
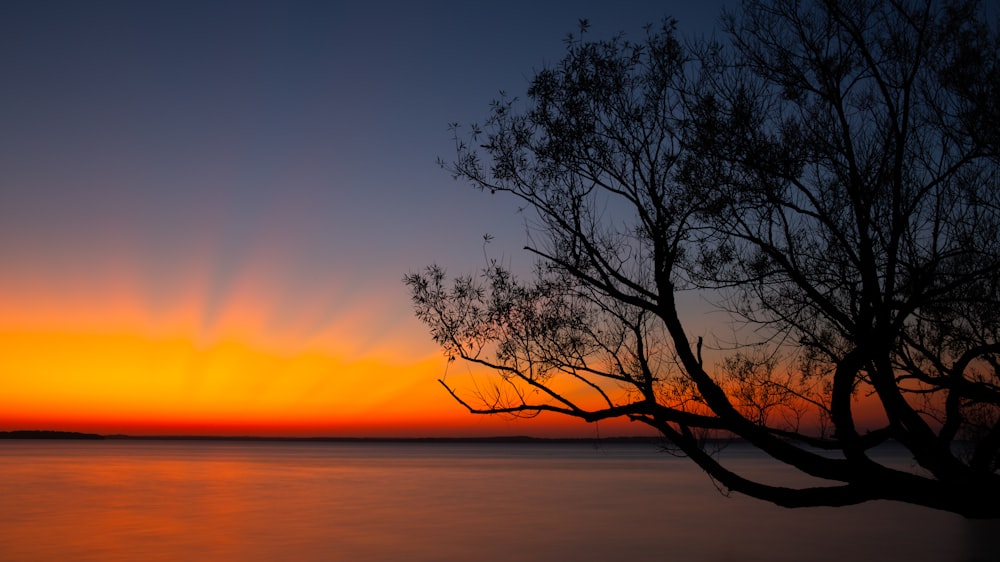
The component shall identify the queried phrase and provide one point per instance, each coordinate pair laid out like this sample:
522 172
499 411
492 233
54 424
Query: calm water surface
236 501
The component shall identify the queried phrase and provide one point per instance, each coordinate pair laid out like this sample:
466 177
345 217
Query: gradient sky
206 208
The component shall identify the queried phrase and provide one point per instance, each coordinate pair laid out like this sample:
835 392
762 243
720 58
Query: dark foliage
828 177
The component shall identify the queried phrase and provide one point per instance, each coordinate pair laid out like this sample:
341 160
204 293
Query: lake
147 501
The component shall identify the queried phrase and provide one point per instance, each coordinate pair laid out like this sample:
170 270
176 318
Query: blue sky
197 154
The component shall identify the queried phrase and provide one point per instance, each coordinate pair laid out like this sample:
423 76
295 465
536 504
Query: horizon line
75 435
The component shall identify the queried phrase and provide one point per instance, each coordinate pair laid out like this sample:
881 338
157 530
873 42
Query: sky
207 207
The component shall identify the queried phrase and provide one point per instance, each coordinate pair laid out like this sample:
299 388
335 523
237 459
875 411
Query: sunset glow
116 363
205 214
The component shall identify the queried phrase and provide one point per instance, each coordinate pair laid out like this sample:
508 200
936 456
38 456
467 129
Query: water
262 501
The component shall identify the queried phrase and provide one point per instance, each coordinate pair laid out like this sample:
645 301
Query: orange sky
108 361
206 212
105 358
111 348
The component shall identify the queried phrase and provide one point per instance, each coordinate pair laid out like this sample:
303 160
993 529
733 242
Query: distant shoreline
72 435
46 434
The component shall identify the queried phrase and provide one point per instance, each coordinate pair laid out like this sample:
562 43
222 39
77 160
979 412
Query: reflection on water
229 501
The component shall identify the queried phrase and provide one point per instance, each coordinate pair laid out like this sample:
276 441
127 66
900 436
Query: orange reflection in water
129 500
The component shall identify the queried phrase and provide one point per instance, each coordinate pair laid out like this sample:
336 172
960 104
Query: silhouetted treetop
827 175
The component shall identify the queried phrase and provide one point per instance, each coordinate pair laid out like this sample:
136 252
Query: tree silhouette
828 177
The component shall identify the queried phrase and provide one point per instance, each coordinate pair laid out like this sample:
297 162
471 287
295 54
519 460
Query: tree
828 177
